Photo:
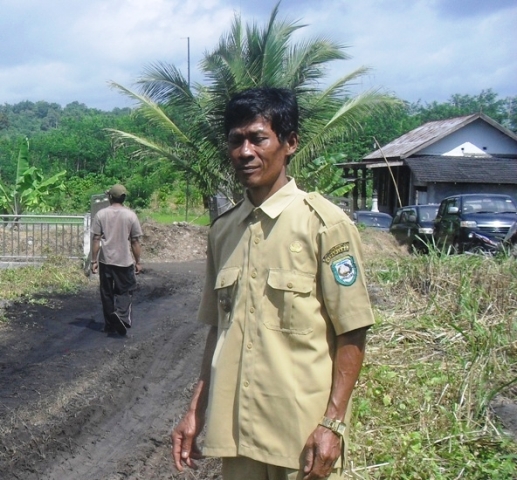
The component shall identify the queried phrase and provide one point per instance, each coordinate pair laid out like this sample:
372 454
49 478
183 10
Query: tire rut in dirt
110 414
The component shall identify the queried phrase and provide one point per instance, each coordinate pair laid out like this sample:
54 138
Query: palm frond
346 121
153 113
165 84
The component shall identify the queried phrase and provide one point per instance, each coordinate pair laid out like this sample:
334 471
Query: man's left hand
321 451
94 267
138 268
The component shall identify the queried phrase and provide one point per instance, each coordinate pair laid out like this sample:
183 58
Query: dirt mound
378 243
178 242
182 242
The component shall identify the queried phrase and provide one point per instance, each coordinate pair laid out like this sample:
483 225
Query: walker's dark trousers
117 286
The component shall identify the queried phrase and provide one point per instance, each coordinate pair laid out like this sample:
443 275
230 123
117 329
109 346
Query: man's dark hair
276 105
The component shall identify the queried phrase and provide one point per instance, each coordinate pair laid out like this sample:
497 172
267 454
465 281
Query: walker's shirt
117 226
282 281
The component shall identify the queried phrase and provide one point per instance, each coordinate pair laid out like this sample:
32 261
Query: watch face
341 427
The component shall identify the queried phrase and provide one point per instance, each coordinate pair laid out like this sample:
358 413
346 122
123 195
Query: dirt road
77 404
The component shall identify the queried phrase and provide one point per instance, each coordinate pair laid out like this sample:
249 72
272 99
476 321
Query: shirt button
253 274
252 310
250 346
289 285
246 384
222 283
256 240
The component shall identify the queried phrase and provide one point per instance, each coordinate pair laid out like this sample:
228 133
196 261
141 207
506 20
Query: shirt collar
274 205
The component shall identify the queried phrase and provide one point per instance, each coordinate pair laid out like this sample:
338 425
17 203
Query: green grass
57 274
195 217
443 346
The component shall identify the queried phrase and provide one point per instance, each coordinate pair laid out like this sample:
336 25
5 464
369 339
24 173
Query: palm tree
249 56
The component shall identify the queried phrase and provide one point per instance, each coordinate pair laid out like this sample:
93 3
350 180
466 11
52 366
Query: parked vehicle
378 220
413 226
460 216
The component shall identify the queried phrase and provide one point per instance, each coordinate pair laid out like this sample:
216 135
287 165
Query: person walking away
286 301
116 257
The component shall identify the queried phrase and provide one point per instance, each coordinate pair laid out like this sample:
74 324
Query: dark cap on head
117 191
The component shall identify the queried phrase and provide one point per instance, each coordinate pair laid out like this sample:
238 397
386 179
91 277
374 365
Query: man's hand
321 451
138 268
94 266
184 447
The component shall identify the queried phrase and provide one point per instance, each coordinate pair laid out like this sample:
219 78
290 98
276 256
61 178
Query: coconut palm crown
248 56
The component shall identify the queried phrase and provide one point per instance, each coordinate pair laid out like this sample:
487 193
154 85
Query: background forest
76 139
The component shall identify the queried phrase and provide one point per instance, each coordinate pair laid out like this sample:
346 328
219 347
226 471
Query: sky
69 50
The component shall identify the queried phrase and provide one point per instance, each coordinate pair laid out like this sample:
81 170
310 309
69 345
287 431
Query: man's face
258 156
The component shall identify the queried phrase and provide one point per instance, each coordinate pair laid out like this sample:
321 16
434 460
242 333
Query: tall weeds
444 346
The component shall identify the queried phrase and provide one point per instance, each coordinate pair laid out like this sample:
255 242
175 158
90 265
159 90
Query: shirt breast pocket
288 293
226 289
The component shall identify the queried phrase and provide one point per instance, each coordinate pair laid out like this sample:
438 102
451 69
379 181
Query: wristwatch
337 426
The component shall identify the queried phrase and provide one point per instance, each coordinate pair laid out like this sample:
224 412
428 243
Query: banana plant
31 190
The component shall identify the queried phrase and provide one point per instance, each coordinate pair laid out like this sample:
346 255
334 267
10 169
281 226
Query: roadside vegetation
444 346
26 283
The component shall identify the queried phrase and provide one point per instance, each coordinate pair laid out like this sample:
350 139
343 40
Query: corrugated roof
442 169
427 134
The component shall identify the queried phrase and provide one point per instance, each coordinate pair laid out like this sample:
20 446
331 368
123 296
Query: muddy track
78 404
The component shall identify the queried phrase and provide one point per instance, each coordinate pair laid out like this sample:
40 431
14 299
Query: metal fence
25 238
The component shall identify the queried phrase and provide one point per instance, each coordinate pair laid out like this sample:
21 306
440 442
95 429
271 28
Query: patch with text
335 251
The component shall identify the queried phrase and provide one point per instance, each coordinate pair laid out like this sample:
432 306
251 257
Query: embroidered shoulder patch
344 270
336 250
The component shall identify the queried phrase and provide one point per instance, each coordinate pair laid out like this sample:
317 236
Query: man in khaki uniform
286 301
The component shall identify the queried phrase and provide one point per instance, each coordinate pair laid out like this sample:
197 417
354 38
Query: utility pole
188 61
187 193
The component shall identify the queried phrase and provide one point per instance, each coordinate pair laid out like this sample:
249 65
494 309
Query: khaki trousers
243 468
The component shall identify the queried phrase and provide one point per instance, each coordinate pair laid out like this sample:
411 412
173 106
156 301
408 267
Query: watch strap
337 426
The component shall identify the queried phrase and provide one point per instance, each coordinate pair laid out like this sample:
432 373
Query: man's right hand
94 267
184 447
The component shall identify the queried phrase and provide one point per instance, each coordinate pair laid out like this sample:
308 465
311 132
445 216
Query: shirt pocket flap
290 281
227 277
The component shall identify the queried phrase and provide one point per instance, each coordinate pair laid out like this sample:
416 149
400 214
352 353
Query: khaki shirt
283 280
116 226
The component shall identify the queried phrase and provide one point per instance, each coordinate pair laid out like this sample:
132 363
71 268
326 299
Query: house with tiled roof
469 154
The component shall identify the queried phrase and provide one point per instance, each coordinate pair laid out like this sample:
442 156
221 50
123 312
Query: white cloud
418 52
420 49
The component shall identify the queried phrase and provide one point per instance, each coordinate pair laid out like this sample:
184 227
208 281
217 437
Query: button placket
248 350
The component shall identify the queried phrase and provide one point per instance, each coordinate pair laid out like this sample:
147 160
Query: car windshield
372 220
487 204
428 213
